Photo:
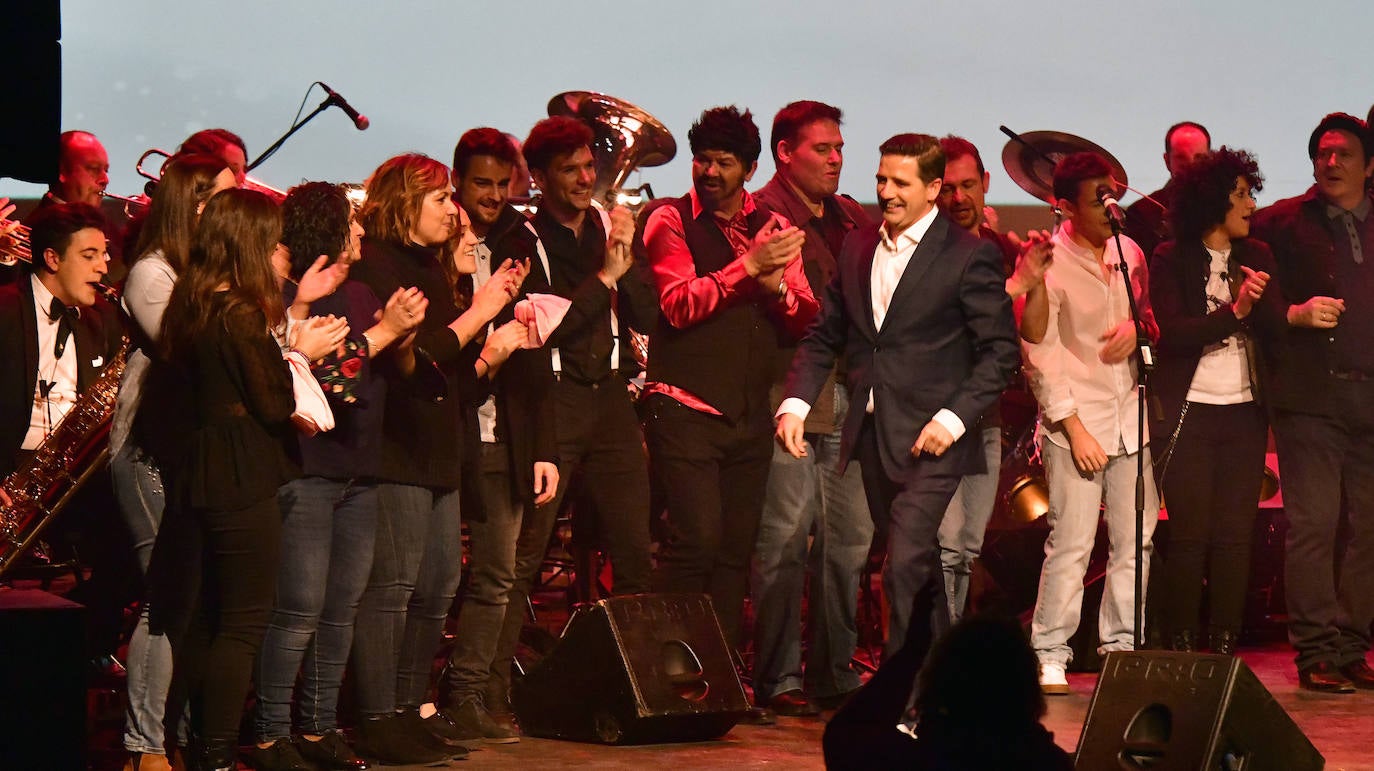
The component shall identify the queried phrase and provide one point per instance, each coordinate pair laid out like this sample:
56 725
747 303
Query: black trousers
1211 488
908 511
713 474
236 583
1324 463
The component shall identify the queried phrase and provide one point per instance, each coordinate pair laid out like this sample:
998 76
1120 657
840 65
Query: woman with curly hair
1215 304
330 513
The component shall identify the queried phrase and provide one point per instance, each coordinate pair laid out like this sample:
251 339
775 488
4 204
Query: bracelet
370 344
484 361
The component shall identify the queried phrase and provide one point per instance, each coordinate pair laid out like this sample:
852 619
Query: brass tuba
625 138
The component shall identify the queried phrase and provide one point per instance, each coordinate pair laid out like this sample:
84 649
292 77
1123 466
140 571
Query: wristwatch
782 287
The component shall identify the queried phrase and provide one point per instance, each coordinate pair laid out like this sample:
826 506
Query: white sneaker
1053 682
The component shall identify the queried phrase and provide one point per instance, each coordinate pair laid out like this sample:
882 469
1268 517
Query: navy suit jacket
948 342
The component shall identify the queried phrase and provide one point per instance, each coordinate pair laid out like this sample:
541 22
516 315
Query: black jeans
599 440
1211 488
237 579
713 474
1324 462
491 575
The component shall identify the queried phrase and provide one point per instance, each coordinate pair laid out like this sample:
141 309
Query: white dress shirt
1065 372
486 414
54 390
890 259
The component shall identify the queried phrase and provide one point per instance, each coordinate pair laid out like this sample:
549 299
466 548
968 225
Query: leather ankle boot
1183 641
1222 642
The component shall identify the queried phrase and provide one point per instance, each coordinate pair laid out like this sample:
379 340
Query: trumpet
14 243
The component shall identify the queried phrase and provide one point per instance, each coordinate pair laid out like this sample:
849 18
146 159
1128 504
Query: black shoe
835 701
386 740
1183 641
280 755
759 716
472 722
211 756
1223 642
331 753
434 731
1325 678
1359 673
793 703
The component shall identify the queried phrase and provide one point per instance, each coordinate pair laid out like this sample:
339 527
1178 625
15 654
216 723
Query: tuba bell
625 138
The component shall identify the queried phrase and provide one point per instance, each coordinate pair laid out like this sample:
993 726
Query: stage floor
1341 727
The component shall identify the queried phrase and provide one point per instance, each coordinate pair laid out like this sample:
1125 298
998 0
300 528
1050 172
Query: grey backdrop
145 73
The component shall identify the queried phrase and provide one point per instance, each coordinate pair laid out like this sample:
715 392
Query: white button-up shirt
1065 372
54 390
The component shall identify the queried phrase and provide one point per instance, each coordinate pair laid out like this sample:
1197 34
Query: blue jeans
805 496
416 565
491 576
966 519
328 530
139 493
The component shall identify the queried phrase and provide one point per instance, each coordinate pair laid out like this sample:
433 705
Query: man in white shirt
920 315
1084 375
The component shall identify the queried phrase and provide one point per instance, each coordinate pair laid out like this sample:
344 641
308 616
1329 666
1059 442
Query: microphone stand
1147 364
297 126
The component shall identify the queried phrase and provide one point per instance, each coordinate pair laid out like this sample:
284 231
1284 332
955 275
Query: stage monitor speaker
43 676
1170 711
638 669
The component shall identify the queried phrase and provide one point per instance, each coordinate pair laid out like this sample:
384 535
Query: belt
1352 375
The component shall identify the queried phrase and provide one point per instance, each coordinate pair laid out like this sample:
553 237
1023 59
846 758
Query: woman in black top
409 218
1208 288
223 544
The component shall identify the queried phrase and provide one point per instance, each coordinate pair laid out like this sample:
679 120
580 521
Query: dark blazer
819 263
1178 281
1296 231
98 335
948 342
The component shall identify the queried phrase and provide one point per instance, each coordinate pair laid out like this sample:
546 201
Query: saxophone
77 449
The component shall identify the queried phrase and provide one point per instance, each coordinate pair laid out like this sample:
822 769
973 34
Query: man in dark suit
919 312
56 334
56 304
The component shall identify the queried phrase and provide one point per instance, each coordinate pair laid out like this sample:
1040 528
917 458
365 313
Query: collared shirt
686 298
486 414
1344 221
1065 372
54 390
1223 371
574 258
890 259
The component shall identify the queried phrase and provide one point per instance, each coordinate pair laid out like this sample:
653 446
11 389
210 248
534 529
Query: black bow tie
65 317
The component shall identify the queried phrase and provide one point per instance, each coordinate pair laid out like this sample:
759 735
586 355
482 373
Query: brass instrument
14 243
625 138
77 449
249 183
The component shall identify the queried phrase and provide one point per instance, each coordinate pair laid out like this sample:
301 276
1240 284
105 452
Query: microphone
337 100
1113 207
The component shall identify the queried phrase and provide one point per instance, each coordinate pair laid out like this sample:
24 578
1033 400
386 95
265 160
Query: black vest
726 359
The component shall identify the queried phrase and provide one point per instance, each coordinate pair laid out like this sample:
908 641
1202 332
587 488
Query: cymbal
1030 161
654 142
